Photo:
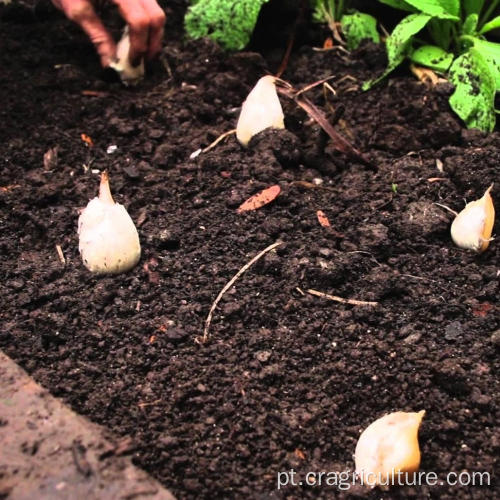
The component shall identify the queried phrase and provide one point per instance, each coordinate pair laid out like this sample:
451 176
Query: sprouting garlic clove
108 239
387 447
261 110
130 75
473 226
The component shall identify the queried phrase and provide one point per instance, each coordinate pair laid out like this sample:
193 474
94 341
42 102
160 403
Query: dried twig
151 403
447 208
315 84
339 142
418 277
229 284
214 143
95 93
60 254
352 302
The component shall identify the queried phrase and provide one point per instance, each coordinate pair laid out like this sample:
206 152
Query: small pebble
263 356
453 331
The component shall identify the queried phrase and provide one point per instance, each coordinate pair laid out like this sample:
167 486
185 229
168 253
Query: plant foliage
455 31
356 26
229 22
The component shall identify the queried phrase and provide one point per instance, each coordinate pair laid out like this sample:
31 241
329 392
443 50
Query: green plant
454 43
229 22
356 26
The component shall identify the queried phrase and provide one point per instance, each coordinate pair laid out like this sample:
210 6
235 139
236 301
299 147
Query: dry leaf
328 43
87 140
482 309
322 218
300 454
260 199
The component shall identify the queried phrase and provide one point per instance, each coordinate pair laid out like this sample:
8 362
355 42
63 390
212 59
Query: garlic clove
130 75
472 227
261 110
108 239
387 447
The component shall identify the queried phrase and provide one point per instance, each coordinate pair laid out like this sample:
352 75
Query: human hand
145 19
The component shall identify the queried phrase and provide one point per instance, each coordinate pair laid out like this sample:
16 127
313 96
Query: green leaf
228 22
442 9
433 57
451 7
491 53
474 96
491 25
399 4
400 38
470 24
472 7
358 27
398 43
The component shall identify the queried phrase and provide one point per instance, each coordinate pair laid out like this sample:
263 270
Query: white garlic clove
472 227
130 75
261 110
108 239
387 447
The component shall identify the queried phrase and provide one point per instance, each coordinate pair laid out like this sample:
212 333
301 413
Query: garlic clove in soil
108 238
472 227
130 75
261 110
387 447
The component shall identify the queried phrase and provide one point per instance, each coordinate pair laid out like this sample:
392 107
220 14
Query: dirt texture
287 380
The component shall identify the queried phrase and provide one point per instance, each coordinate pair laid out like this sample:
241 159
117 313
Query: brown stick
339 142
60 254
229 284
352 302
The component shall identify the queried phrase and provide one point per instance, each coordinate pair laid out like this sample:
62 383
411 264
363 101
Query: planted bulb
473 226
130 75
261 110
108 238
388 447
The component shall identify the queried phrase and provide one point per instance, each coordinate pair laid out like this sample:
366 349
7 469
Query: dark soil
286 379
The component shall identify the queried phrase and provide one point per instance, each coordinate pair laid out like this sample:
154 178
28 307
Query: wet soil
287 380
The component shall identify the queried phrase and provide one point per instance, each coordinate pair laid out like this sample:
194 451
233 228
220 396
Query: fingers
146 22
145 18
82 12
156 27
